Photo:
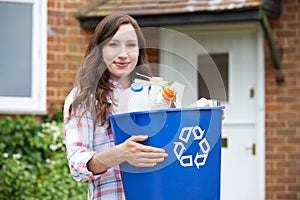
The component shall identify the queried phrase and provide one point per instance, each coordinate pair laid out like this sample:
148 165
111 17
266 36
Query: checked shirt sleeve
79 142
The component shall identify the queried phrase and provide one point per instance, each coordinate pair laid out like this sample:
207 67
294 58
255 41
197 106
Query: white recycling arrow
179 153
202 158
204 146
186 161
200 131
185 137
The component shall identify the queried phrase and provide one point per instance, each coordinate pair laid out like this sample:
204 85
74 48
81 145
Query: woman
115 54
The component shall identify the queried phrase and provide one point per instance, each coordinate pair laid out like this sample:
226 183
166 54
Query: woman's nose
123 52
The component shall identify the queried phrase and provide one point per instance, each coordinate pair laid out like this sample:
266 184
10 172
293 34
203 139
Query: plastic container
164 99
138 99
192 139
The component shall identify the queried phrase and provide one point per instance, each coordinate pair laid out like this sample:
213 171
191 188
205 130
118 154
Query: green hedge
33 164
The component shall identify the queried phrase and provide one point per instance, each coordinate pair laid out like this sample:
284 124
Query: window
211 66
23 38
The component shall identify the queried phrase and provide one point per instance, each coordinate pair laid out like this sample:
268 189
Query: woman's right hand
140 155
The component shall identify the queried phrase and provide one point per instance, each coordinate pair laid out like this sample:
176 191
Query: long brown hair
92 77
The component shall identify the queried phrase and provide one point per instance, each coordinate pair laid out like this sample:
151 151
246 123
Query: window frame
36 104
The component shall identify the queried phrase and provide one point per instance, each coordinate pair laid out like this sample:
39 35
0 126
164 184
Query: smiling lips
121 64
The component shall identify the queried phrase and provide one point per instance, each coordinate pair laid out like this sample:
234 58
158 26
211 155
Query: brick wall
66 46
283 108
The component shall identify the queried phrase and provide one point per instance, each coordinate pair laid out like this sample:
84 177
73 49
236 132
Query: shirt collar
115 83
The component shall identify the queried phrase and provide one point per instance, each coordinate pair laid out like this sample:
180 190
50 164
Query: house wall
67 42
66 47
283 107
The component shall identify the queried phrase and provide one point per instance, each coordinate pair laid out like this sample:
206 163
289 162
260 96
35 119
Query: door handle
252 148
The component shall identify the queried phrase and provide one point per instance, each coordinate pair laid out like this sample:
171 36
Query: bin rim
166 110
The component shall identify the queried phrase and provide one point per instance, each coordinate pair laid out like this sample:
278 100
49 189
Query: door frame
260 75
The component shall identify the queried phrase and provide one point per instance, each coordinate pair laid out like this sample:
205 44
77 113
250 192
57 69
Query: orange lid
168 93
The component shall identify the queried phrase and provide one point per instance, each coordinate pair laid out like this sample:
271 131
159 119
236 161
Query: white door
242 171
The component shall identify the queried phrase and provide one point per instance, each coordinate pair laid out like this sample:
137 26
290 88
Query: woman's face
121 53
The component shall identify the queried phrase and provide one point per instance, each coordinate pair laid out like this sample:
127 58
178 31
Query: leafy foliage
33 164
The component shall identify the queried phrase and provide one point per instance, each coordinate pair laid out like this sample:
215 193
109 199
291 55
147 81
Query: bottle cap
136 87
168 93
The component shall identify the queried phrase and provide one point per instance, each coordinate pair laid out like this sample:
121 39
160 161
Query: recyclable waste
156 94
138 100
164 99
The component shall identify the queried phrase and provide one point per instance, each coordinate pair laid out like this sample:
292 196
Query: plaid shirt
83 140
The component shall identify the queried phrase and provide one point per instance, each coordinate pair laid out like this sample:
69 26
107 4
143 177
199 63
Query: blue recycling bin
192 139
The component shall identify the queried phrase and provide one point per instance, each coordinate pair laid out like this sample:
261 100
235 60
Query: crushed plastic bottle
164 99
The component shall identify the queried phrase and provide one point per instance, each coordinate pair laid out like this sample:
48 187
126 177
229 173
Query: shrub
33 164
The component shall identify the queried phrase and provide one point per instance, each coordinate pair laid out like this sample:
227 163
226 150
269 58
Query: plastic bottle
138 99
164 99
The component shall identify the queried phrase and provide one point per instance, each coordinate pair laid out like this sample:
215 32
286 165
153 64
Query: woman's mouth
121 64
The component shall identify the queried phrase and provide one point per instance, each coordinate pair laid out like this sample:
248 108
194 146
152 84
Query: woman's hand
140 155
131 151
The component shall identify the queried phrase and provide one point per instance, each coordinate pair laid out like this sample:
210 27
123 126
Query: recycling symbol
179 147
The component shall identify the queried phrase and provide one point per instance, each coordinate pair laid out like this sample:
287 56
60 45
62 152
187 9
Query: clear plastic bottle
164 99
138 99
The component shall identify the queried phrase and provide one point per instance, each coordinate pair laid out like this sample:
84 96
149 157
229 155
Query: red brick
286 148
286 196
294 187
294 171
73 6
286 115
274 156
275 188
285 164
275 107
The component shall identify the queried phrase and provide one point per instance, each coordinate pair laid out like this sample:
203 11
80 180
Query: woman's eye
112 44
132 44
